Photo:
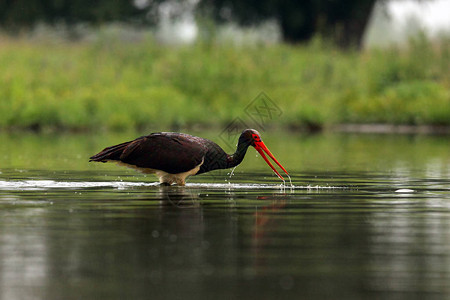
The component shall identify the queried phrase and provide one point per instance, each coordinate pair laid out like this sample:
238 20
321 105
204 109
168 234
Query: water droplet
290 180
173 238
232 172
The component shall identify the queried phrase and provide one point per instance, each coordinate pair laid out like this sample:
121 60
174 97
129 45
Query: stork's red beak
260 146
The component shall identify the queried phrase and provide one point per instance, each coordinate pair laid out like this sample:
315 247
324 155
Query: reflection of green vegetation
298 153
109 85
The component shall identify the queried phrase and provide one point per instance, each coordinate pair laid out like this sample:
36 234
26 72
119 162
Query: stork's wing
170 153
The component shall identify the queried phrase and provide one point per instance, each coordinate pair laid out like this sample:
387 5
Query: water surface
368 216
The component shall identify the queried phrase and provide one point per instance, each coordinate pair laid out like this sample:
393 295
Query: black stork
174 156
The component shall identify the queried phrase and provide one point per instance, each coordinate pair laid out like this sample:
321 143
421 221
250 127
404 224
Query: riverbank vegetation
111 84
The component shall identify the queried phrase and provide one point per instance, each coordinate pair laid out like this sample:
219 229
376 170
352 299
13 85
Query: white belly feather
164 177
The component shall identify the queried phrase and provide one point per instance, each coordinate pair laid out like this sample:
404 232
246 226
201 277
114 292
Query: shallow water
368 216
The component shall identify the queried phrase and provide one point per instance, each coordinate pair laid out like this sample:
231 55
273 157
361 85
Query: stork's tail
110 153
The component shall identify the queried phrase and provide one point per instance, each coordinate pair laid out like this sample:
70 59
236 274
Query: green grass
109 85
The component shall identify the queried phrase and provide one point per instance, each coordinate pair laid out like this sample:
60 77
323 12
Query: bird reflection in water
178 196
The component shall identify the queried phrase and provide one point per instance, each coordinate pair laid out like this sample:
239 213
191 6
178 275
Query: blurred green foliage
111 85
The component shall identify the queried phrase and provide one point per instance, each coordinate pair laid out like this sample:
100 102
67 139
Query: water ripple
52 184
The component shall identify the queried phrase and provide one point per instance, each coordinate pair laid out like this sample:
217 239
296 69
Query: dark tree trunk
344 22
350 31
296 21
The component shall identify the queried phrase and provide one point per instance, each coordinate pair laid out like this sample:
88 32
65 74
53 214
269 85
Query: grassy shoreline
109 85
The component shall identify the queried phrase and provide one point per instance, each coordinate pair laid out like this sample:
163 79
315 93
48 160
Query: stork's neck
237 157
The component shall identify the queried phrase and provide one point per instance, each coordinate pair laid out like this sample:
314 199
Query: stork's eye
256 137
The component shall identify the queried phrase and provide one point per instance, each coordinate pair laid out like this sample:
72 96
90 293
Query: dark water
368 218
